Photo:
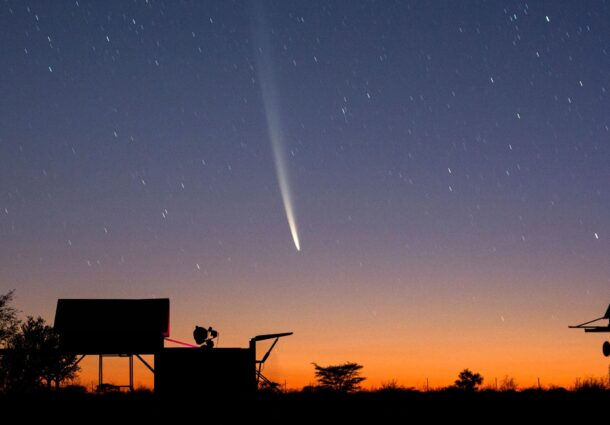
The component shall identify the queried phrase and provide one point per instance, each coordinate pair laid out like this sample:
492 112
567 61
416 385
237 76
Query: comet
269 93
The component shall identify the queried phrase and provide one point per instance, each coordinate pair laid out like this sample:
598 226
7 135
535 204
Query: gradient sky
449 165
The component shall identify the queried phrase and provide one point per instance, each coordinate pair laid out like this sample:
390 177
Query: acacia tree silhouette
468 381
342 378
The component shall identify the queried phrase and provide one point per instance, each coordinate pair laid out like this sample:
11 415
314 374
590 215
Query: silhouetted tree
8 319
9 324
468 380
343 378
57 367
33 359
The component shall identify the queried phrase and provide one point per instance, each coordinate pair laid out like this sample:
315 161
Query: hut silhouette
132 328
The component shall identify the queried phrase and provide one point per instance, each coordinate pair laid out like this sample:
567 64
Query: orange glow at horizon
411 355
424 326
438 367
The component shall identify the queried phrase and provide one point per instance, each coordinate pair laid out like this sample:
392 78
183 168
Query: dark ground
529 406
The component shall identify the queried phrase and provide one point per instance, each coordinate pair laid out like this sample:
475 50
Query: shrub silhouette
341 378
590 384
269 387
468 381
393 387
508 384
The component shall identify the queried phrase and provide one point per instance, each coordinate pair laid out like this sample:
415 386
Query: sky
444 166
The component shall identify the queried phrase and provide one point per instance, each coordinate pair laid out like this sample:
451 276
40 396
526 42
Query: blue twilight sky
447 159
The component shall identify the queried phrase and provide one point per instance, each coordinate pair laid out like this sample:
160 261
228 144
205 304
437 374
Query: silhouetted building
112 326
128 328
184 372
